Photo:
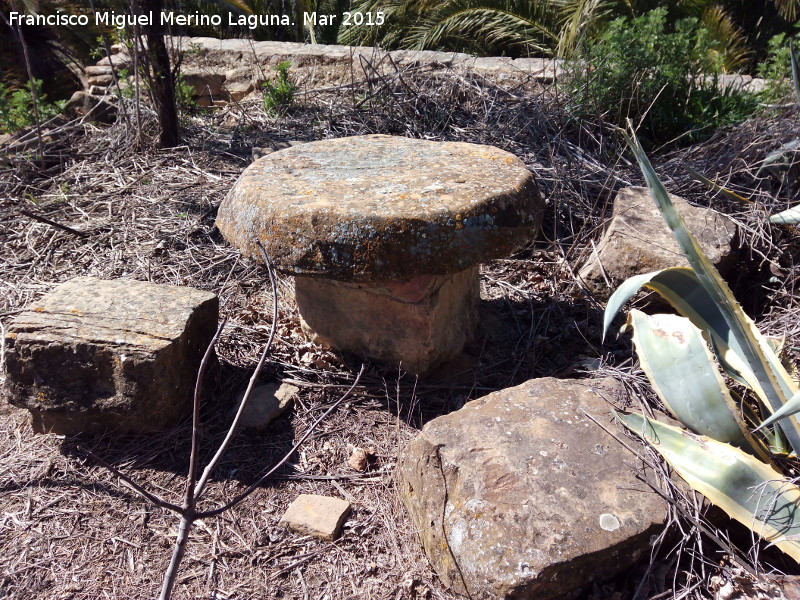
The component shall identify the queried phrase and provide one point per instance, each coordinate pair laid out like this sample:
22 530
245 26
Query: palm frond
525 26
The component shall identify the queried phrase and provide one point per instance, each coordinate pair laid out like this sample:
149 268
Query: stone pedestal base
418 323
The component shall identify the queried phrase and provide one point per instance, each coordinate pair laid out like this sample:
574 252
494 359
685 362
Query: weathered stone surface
94 108
637 240
239 82
320 516
102 81
377 207
204 82
267 403
97 70
96 355
118 61
520 495
418 323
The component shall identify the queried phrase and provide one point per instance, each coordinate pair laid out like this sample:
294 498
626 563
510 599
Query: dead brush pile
103 203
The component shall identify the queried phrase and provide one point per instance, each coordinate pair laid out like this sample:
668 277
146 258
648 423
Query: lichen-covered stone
96 355
637 240
417 324
377 207
520 495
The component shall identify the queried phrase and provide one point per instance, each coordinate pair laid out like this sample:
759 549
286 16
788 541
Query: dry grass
71 530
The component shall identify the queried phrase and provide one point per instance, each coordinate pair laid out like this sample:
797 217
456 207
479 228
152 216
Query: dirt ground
70 529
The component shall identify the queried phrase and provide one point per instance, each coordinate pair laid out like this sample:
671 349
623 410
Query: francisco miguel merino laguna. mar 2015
252 21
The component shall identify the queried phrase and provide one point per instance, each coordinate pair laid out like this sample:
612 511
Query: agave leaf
748 490
680 287
772 382
790 216
792 407
795 71
716 187
684 374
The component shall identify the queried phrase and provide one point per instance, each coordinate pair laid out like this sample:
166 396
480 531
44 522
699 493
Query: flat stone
377 207
239 82
320 516
520 495
417 323
203 82
637 240
117 61
267 403
102 81
98 70
96 355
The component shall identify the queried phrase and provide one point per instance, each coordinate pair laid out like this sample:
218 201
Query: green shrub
184 95
17 109
279 93
777 69
665 81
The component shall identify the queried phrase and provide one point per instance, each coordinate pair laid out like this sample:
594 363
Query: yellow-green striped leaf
748 490
716 187
770 379
674 356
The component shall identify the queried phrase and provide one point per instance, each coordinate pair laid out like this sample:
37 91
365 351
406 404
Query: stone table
384 236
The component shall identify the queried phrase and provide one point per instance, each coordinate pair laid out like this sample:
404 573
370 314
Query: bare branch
198 490
198 388
160 502
257 484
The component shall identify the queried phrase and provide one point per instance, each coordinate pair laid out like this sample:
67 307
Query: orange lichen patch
38 309
12 336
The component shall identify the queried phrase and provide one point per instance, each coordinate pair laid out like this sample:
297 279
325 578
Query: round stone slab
378 207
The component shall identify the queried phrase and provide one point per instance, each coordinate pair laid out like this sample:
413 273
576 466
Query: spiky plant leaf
751 492
772 382
789 216
460 24
792 407
682 370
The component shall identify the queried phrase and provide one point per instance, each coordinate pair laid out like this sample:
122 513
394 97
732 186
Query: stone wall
232 69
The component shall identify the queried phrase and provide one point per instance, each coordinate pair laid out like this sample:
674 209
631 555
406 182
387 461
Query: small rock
100 80
359 458
97 71
239 82
320 516
267 403
203 82
94 108
118 61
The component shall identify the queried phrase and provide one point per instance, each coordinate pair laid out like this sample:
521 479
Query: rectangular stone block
320 516
95 355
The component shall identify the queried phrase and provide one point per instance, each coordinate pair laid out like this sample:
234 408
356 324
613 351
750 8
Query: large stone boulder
520 495
636 240
96 355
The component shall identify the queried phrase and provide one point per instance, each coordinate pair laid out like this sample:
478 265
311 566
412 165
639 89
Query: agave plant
726 451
